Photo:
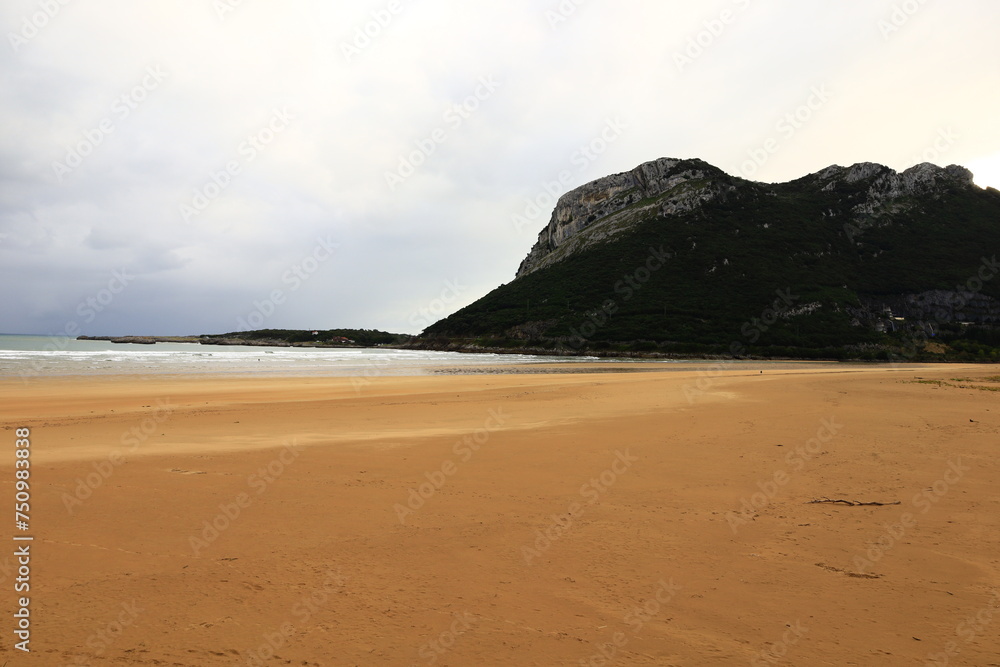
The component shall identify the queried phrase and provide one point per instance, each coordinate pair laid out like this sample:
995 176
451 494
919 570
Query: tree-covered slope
838 262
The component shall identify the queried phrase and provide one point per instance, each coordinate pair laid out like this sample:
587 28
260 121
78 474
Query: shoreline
227 342
430 345
436 369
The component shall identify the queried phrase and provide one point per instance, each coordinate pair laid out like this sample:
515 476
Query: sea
35 356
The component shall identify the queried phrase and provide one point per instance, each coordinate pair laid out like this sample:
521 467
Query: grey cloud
451 219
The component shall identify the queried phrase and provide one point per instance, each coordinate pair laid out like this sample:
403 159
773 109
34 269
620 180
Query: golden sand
655 518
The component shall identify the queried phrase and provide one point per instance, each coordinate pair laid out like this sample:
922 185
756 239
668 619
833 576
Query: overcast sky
192 166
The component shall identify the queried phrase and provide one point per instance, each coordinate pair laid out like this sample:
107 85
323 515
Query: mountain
678 257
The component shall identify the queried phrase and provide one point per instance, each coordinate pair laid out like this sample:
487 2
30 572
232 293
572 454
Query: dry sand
578 516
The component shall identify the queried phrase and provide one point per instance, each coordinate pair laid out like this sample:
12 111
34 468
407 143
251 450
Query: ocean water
34 356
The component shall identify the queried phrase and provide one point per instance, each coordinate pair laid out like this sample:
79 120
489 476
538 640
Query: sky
208 166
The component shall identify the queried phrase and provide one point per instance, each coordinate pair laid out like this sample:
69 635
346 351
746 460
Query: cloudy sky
190 166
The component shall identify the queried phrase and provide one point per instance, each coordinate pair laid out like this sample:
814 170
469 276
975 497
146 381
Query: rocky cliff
602 209
676 255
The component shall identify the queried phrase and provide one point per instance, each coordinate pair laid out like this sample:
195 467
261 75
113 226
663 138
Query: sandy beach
632 518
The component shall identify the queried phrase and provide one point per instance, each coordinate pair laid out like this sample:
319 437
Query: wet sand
640 518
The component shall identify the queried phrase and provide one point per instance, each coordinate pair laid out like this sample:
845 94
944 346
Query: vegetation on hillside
783 270
359 337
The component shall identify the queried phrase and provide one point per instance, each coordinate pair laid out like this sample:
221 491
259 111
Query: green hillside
776 270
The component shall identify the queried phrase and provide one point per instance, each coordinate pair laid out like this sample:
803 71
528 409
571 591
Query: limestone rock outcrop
600 210
610 205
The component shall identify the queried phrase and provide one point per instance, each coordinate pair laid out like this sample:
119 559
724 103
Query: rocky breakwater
142 340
